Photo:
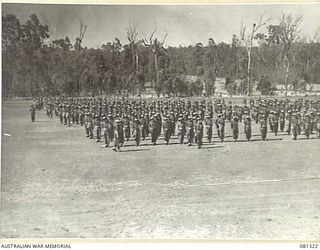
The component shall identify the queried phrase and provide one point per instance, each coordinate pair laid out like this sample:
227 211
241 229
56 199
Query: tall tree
248 41
286 33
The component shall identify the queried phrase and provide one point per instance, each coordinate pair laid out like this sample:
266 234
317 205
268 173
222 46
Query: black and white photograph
161 121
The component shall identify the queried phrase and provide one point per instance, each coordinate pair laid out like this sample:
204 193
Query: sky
184 24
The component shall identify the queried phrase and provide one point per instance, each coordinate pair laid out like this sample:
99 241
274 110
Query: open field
57 183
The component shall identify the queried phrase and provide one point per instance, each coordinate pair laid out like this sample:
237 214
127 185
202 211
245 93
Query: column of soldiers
118 121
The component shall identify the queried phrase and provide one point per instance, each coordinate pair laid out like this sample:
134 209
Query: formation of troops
116 121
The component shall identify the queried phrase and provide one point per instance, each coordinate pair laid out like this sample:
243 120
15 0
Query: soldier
81 116
247 127
235 128
126 127
289 116
300 122
143 128
60 113
33 112
318 124
120 133
189 130
220 126
166 130
172 123
106 130
282 120
208 124
97 127
229 112
89 125
181 129
136 131
307 123
275 122
263 127
118 130
153 130
313 118
294 125
199 132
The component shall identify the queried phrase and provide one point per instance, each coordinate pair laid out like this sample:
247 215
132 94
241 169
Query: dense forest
32 66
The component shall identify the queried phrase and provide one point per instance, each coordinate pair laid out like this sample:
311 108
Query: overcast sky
184 24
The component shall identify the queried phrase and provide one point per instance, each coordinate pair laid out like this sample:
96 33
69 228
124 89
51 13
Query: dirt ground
58 183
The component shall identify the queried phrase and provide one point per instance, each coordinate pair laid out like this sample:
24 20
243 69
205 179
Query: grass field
57 183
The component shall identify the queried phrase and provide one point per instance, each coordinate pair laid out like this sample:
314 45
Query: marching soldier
153 130
166 130
307 123
32 112
313 118
107 129
88 125
289 118
220 123
294 125
97 127
126 127
136 131
282 120
208 124
143 127
318 124
199 132
247 127
181 129
263 127
118 130
235 128
275 122
189 130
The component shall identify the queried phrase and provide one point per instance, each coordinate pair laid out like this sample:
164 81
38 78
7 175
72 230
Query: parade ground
55 182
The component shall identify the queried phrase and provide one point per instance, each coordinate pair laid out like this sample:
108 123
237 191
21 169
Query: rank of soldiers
117 121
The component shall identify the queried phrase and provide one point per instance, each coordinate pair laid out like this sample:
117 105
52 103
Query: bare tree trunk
133 58
156 66
249 73
287 75
137 62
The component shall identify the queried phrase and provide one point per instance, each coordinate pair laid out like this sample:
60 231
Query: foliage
34 66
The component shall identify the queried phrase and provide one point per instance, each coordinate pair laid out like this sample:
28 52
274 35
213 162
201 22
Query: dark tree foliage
34 66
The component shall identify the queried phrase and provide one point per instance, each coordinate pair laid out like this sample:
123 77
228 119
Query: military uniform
208 124
263 127
32 112
247 127
220 123
307 123
166 126
189 130
294 126
153 130
199 132
136 131
181 130
235 128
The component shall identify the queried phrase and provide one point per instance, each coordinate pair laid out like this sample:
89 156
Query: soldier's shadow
305 138
133 150
217 146
269 139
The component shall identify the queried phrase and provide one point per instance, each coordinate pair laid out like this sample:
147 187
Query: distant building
149 90
280 90
220 85
312 89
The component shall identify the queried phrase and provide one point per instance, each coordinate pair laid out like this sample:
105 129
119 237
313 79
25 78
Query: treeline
34 67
